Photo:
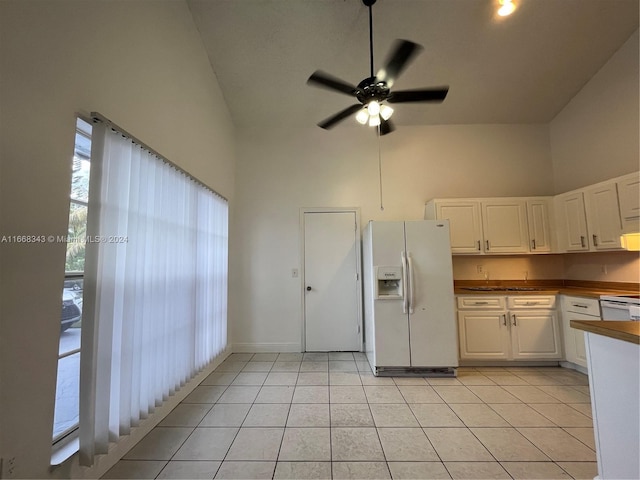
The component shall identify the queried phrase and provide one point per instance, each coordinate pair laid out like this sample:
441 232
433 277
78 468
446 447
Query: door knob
308 289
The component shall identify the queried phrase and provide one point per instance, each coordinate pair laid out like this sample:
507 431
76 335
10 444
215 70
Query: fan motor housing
369 89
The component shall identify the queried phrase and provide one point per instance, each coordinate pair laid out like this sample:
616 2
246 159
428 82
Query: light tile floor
324 415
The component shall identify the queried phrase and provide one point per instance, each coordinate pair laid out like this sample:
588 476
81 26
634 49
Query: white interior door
331 284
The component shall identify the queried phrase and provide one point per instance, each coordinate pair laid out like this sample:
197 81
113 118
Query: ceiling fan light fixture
374 92
373 107
507 7
386 111
362 116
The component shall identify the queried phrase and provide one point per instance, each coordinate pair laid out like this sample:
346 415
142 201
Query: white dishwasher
620 307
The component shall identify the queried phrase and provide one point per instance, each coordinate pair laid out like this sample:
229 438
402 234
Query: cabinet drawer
531 301
588 306
481 302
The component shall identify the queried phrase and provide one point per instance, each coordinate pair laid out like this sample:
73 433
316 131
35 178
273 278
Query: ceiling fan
374 90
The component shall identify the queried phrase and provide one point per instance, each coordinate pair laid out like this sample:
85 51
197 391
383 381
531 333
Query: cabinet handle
478 245
595 240
582 241
481 303
533 244
531 303
514 320
486 242
504 319
579 305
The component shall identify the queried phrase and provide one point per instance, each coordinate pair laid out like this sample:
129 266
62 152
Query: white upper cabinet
588 219
629 202
538 215
504 223
571 222
465 226
594 217
603 216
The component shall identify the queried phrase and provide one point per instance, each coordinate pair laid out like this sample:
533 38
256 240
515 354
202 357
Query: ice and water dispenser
389 283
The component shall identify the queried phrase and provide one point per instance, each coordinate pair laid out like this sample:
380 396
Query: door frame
358 238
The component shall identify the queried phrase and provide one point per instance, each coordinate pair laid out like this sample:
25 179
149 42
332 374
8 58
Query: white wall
603 266
595 137
141 64
508 267
281 171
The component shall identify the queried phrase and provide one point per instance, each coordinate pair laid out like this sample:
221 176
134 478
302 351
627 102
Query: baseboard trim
263 347
574 366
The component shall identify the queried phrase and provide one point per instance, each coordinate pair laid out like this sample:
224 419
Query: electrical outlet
603 269
480 268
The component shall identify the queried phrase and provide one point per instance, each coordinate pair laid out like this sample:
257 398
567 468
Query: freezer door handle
410 278
404 283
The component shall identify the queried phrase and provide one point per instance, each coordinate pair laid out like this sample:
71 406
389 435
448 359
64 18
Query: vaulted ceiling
519 69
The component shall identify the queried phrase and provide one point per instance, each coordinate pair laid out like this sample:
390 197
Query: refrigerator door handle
410 277
405 297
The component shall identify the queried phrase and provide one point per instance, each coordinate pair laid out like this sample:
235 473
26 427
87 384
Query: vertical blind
155 294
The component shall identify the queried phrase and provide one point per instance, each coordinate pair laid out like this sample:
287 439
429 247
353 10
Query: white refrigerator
410 325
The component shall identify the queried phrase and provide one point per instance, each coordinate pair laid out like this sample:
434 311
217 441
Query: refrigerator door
432 326
390 324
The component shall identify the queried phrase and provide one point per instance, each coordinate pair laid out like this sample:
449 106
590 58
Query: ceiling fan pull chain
380 168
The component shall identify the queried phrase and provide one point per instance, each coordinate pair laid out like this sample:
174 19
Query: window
155 291
68 383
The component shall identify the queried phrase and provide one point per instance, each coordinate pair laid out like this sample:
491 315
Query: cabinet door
535 335
483 335
464 225
575 350
577 308
629 200
539 229
570 351
603 217
504 225
572 223
581 350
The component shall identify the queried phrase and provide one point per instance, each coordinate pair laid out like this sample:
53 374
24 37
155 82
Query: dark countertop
545 287
626 331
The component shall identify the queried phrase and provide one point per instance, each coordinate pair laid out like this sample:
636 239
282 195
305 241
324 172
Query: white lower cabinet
508 328
577 308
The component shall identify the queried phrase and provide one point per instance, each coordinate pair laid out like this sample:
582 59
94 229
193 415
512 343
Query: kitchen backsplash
600 266
603 267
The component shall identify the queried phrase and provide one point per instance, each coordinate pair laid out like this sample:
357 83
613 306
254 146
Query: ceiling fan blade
338 117
386 126
322 79
422 95
403 51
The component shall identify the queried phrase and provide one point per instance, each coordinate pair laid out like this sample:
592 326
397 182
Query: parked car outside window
71 308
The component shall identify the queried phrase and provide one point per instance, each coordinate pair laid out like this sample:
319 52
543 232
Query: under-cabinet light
630 241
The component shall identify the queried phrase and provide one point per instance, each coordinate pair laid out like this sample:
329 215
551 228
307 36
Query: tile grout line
405 402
